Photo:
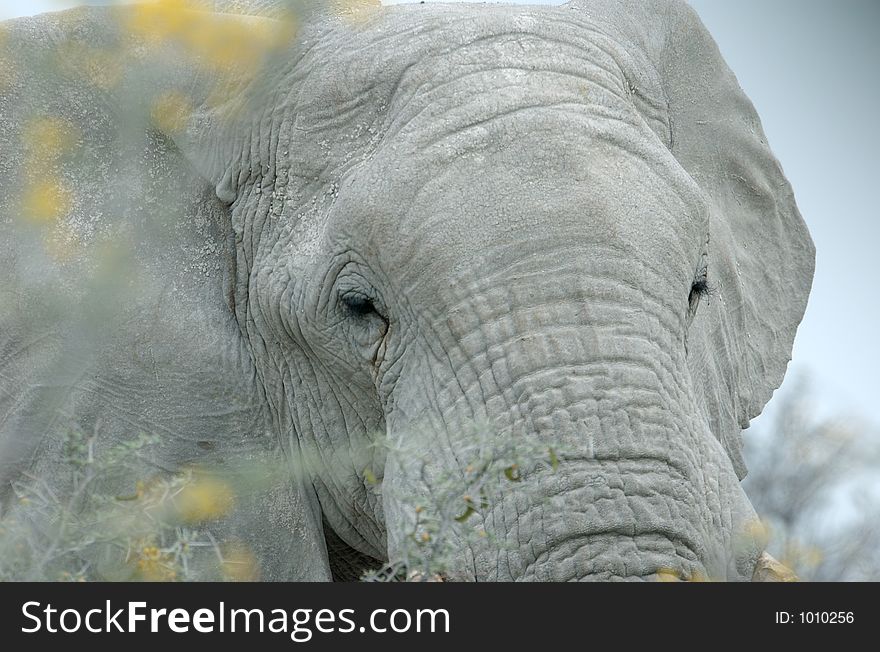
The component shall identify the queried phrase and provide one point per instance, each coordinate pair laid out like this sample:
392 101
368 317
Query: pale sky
809 66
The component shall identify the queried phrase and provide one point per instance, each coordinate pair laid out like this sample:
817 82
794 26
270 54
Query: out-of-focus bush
153 534
815 483
161 531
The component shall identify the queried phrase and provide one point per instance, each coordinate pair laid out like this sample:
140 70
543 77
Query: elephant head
559 224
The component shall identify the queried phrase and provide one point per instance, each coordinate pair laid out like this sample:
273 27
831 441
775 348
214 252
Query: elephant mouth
614 556
767 569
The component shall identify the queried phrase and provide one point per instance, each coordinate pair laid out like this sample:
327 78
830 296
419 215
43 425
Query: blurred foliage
213 39
216 39
45 196
171 111
73 528
813 481
456 507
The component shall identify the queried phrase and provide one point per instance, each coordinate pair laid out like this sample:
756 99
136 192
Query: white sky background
809 66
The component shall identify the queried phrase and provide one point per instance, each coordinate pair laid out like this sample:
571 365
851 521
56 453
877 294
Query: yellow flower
239 564
102 68
233 43
153 565
758 528
356 11
813 556
46 139
216 40
796 555
204 499
171 112
159 20
151 553
698 577
668 575
45 201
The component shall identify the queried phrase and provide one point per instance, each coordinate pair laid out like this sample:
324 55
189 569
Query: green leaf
512 473
467 514
554 460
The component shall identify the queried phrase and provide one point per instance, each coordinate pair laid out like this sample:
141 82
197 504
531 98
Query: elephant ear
761 257
117 282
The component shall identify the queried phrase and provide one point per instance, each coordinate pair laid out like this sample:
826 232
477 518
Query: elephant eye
699 288
358 304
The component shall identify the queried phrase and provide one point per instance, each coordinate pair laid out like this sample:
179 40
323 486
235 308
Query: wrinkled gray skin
526 195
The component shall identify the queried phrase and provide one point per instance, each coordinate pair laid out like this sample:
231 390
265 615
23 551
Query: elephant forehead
426 72
540 187
437 79
382 107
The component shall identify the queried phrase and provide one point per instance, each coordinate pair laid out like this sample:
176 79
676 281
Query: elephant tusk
768 569
419 576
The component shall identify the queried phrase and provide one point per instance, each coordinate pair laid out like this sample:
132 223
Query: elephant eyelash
700 288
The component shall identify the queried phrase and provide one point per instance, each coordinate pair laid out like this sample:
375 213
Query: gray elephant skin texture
410 223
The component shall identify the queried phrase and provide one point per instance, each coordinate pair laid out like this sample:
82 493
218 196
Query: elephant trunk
625 480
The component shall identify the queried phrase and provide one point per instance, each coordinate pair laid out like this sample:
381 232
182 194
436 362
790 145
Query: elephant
402 224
